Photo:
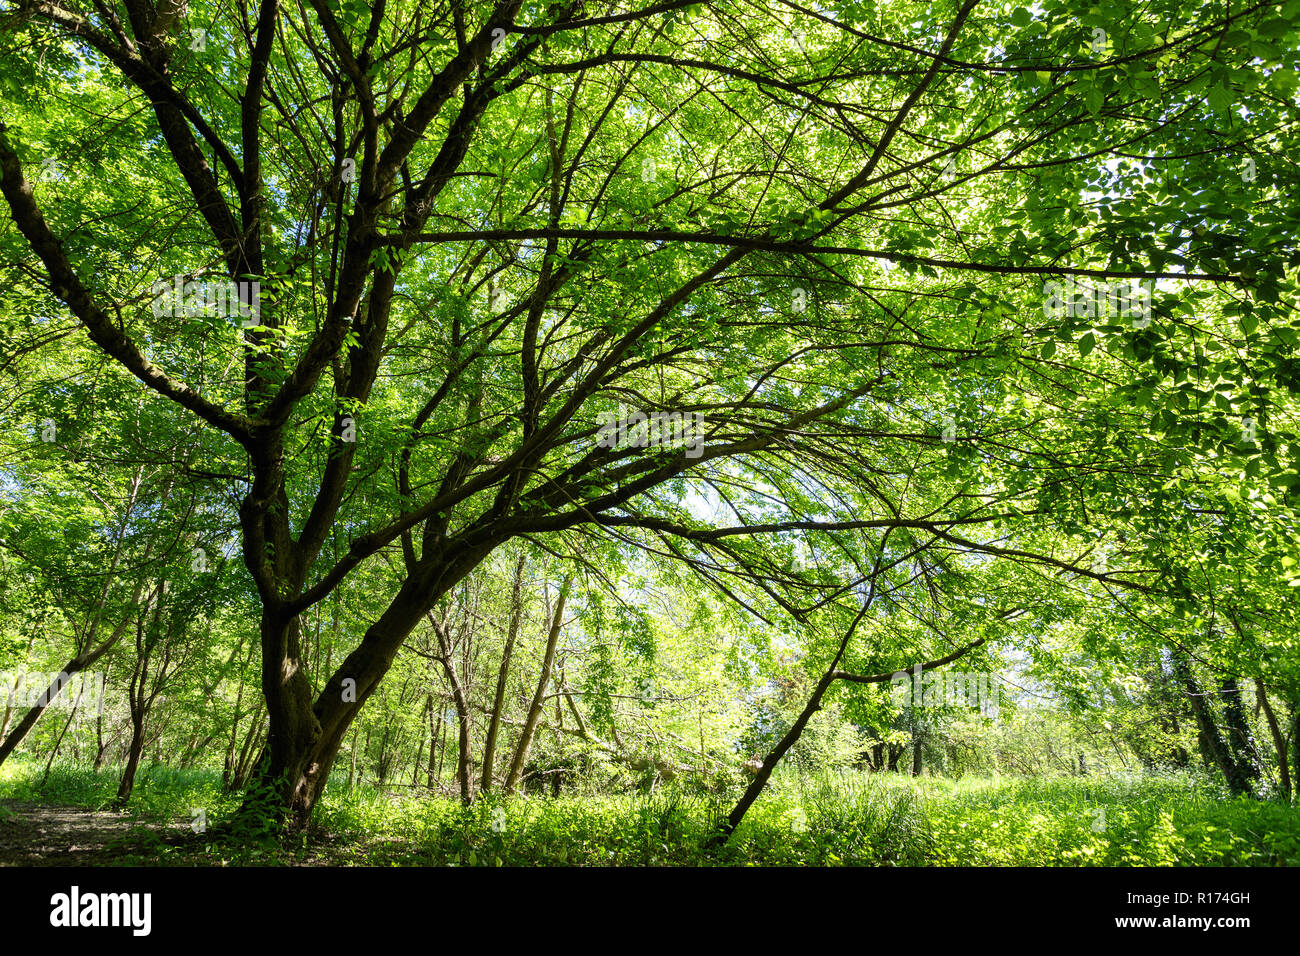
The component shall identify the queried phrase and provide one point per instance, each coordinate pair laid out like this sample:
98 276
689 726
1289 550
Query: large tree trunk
306 734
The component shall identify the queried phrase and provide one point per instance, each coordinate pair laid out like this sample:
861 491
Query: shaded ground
33 834
37 834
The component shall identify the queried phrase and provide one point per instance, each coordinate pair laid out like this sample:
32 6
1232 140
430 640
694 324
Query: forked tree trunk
305 733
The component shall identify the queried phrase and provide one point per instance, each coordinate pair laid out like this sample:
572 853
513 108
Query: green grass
824 819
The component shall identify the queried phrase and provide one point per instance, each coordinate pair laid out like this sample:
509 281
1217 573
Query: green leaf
1220 98
1095 99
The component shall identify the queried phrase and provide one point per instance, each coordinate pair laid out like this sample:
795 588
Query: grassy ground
828 819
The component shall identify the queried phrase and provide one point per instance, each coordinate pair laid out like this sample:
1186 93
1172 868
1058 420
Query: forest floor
831 819
33 834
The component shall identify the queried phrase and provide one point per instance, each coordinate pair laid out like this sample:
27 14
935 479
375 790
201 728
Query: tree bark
133 754
305 734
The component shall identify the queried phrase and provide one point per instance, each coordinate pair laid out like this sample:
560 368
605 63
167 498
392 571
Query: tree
502 270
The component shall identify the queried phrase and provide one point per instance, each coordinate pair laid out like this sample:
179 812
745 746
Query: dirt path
33 834
37 834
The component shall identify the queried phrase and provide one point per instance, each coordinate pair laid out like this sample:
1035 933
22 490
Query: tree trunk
769 763
352 759
304 734
133 754
101 748
1279 741
59 743
516 613
1240 739
1212 743
539 695
895 751
461 703
435 740
916 745
832 674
